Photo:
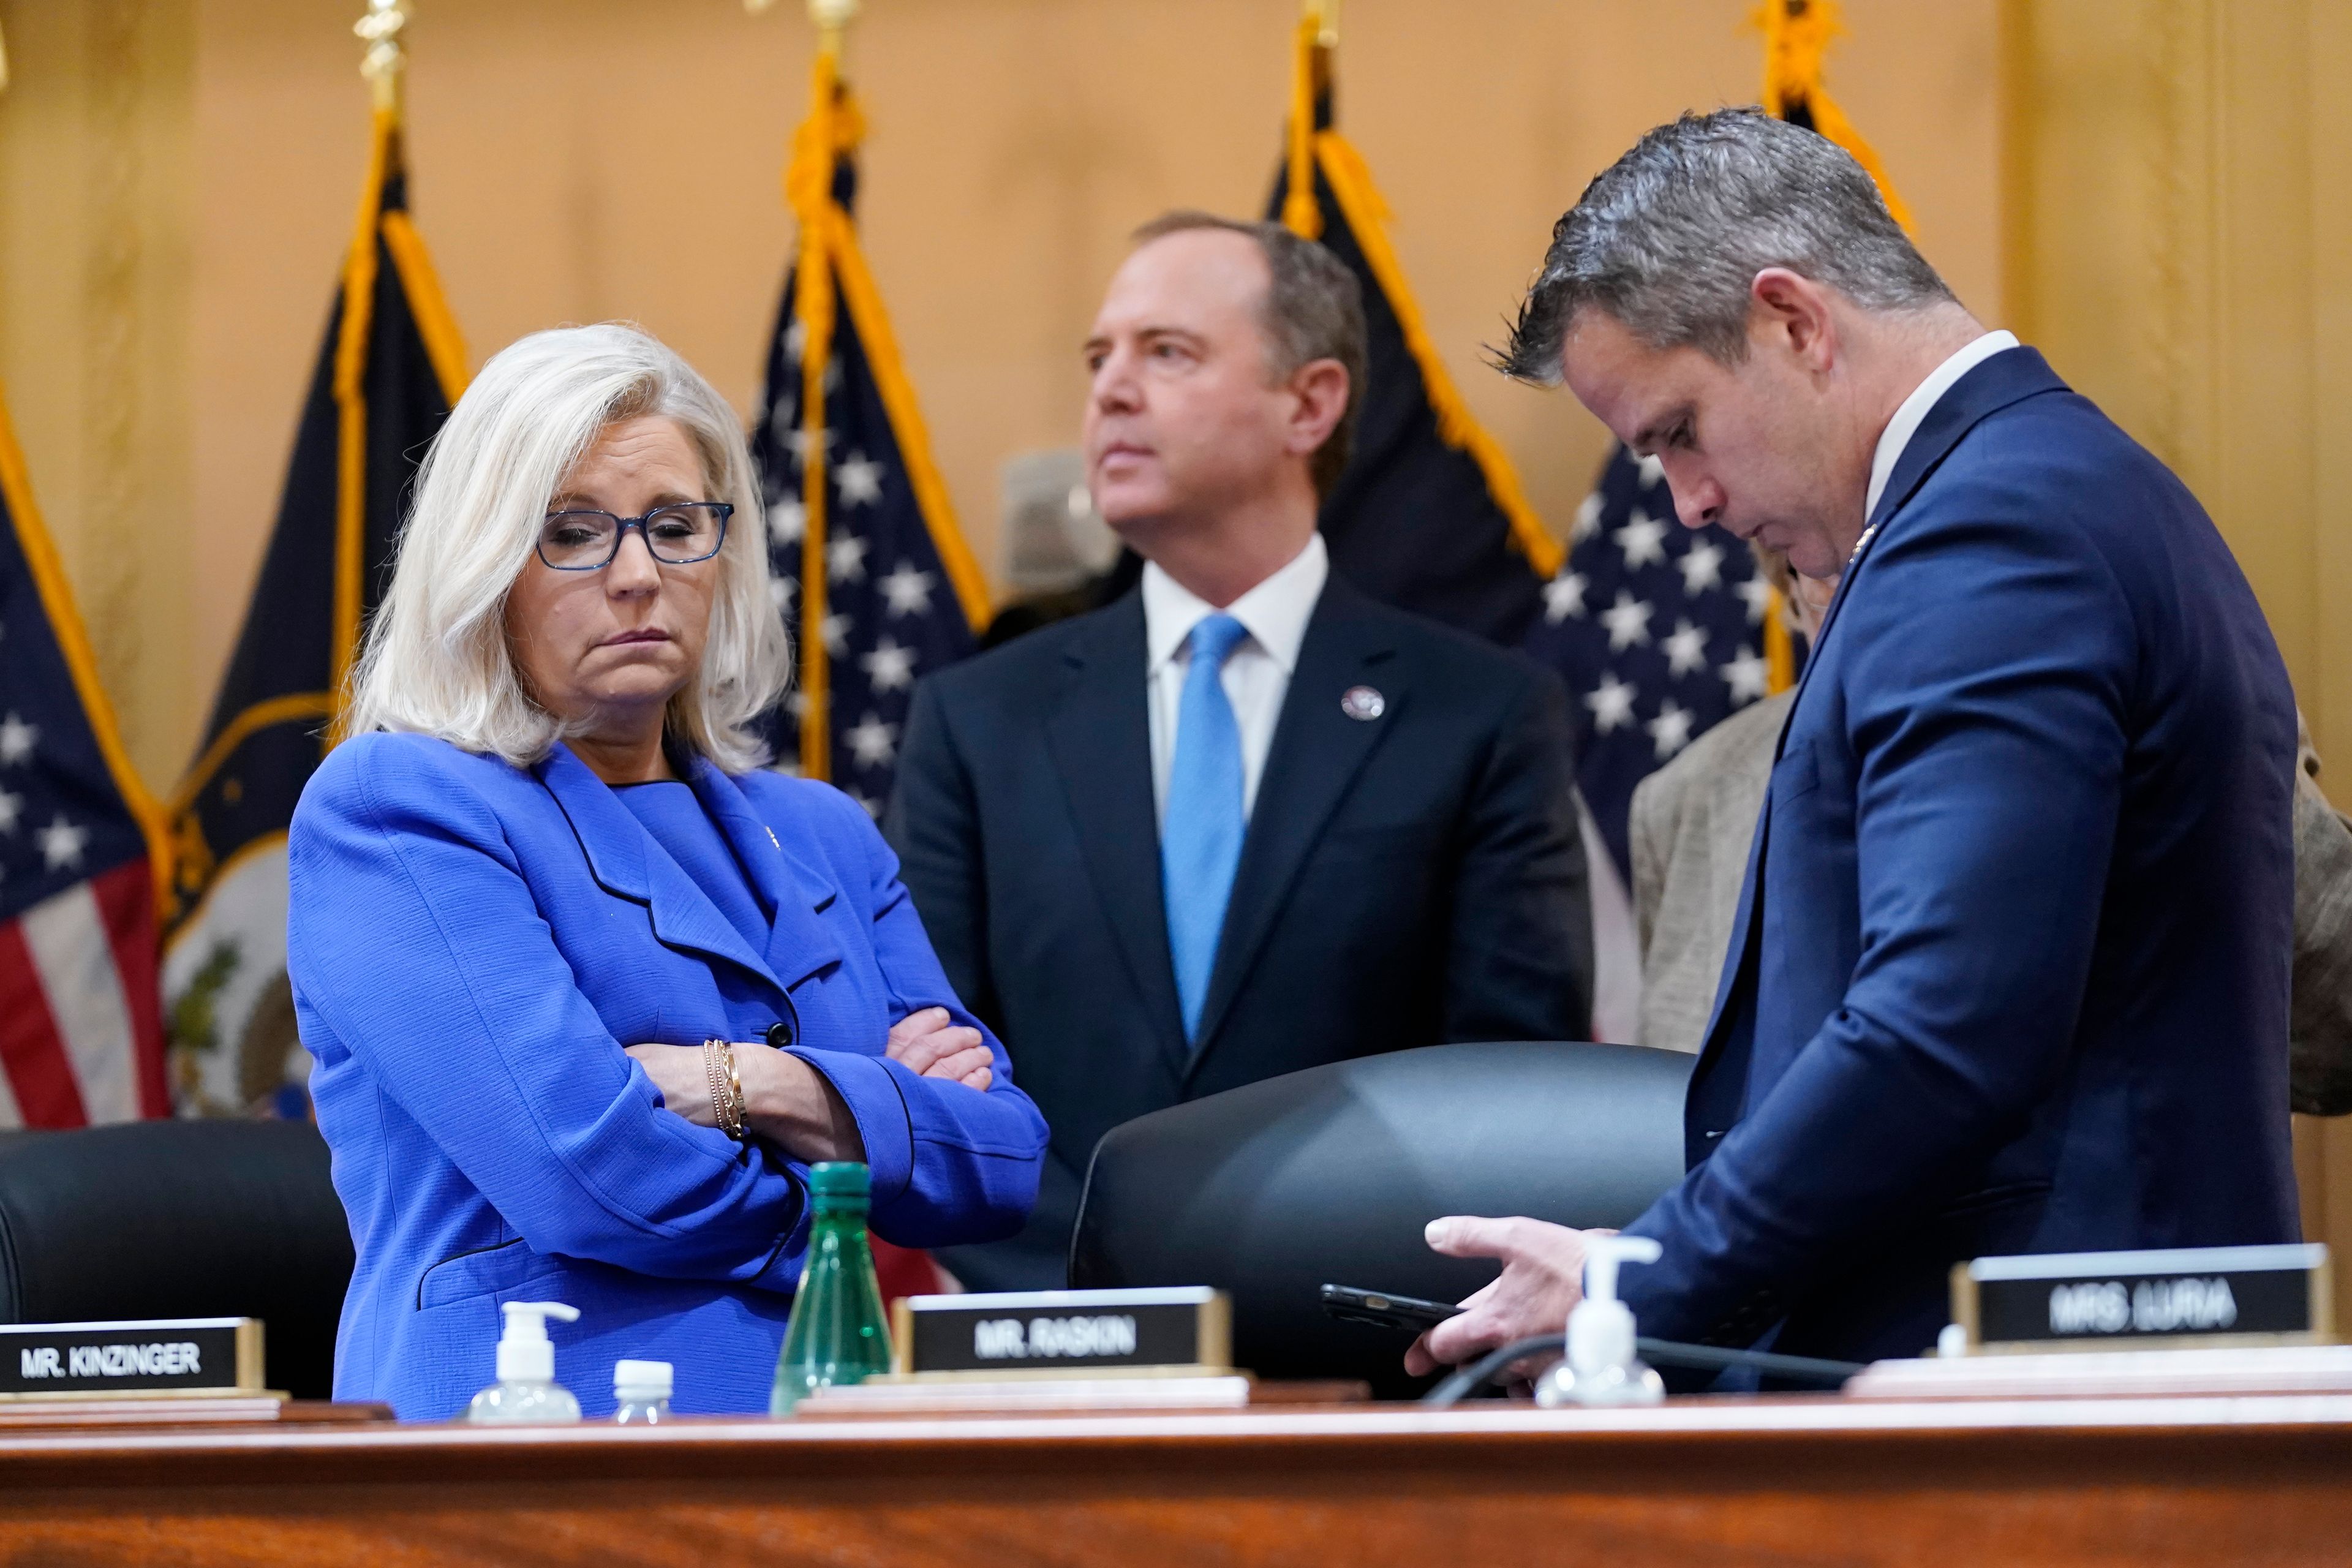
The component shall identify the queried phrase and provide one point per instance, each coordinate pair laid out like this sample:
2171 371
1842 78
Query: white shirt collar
1275 613
1917 407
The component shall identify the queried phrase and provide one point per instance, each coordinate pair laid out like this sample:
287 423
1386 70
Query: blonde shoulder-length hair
436 659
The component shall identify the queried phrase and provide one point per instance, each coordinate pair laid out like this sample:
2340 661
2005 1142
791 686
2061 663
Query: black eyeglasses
678 534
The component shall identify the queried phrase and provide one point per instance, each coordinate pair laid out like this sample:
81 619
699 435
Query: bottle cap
652 1379
838 1179
525 1354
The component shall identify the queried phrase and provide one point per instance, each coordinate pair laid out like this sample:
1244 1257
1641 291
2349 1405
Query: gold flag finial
1324 15
386 56
832 18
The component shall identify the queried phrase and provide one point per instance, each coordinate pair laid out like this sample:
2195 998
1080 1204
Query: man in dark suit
2010 969
1244 820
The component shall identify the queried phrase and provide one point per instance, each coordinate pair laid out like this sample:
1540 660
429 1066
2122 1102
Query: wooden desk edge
1687 1431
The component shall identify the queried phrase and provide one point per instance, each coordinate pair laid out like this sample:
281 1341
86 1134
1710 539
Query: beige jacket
2319 1016
1689 828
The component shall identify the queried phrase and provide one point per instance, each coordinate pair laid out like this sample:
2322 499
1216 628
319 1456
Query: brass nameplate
1062 1333
163 1358
2280 1295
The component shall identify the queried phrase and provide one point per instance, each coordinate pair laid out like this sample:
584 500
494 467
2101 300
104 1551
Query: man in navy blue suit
1244 820
2010 972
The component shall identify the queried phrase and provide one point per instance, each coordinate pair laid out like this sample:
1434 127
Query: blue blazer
2010 972
472 944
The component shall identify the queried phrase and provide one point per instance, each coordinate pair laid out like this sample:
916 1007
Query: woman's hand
677 1071
928 1044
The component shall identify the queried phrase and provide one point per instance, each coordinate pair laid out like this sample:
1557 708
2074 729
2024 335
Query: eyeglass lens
677 534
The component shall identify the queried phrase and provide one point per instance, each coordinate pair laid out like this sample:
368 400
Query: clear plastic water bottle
641 1393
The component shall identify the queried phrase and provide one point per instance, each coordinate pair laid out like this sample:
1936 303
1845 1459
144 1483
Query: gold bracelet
742 1133
726 1087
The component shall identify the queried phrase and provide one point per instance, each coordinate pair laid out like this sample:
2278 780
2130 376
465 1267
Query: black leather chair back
1328 1175
179 1219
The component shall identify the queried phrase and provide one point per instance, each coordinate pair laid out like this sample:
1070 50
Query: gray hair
436 659
1668 240
1314 309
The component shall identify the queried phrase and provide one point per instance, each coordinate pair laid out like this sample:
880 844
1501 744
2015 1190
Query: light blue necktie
1201 827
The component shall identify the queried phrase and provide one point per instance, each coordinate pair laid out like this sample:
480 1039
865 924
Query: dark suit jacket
2010 972
1406 880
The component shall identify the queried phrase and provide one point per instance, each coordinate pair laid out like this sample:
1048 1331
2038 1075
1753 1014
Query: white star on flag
891 666
835 629
781 594
906 591
805 442
795 340
1686 650
11 805
1643 541
1671 729
16 739
1653 472
873 808
61 844
787 522
1628 621
1746 676
1563 596
781 420
1587 516
1611 703
860 479
1702 567
844 559
873 743
1758 593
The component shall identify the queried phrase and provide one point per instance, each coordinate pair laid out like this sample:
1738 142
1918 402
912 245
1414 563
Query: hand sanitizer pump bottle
526 1393
1602 1367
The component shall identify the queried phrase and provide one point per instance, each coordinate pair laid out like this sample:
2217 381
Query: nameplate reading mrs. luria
2201 1295
1062 1331
111 1361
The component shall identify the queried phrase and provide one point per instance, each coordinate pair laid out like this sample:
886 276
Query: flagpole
808 189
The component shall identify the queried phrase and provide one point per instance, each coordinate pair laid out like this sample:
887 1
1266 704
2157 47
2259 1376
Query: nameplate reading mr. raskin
1037 1330
75 1360
2084 1301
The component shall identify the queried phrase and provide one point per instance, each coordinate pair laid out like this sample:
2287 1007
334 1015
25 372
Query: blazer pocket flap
484 1271
1797 773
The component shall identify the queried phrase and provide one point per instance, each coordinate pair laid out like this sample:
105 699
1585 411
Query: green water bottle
837 1334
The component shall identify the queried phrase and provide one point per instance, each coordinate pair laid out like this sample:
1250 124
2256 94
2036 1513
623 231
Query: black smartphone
1383 1310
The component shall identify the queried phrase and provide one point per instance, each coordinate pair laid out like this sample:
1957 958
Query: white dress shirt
1257 673
1916 407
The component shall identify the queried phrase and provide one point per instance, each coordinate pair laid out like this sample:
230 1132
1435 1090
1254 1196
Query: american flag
901 596
1659 631
81 1035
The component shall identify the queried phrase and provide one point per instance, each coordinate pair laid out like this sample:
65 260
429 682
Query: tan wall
581 159
2180 204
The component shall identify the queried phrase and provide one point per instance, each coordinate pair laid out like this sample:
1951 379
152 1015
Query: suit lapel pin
1362 702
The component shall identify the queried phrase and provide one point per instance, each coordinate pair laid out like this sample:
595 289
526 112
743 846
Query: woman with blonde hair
588 990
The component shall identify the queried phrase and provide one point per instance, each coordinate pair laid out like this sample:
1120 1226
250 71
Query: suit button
780 1033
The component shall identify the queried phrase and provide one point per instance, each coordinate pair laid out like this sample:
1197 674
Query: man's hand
1542 1278
928 1044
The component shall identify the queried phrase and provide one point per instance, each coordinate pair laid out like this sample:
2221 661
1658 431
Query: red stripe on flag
126 901
31 1052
